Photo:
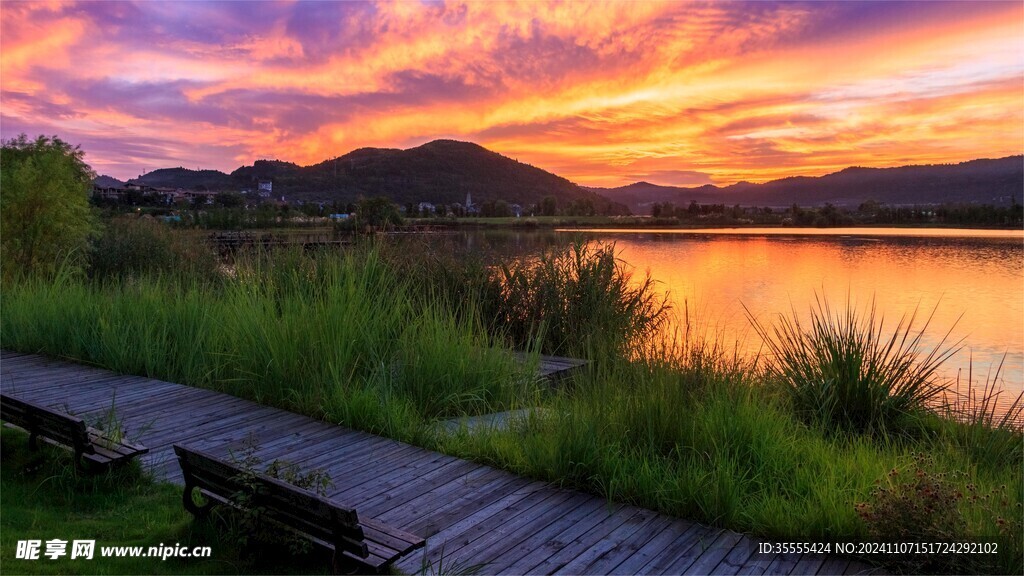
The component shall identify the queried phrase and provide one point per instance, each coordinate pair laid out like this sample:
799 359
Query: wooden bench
362 543
89 444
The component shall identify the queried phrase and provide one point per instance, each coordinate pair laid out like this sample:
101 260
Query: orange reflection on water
974 281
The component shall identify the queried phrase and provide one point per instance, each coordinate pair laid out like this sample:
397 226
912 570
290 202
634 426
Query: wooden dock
470 513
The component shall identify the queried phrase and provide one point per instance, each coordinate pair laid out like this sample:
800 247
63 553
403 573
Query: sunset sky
603 94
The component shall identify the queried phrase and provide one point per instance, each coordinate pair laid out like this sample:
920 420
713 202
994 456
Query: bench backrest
63 428
305 511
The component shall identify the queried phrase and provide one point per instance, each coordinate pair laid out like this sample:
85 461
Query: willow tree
45 217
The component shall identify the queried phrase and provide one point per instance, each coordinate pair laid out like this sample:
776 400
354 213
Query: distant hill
985 181
106 182
442 171
187 179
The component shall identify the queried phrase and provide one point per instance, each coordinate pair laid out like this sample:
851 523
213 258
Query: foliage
377 212
844 372
578 300
916 504
986 429
676 425
130 246
44 209
43 497
249 526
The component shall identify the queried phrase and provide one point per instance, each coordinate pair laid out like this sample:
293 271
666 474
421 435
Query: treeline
829 215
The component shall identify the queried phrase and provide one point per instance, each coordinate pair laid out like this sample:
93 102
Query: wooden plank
675 531
516 540
707 554
543 542
436 488
742 552
354 442
461 545
187 425
489 540
455 509
783 564
757 563
237 426
584 540
809 564
628 547
338 439
590 560
441 537
416 465
568 541
46 387
446 504
363 462
685 549
400 489
834 566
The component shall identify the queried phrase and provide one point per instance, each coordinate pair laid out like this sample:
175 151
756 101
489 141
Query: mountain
105 181
983 181
442 171
188 179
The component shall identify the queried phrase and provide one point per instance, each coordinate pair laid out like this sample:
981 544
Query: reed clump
845 370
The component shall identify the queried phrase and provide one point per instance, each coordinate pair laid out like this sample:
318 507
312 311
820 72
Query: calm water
973 280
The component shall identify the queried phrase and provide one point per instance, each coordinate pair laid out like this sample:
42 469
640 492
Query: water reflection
973 280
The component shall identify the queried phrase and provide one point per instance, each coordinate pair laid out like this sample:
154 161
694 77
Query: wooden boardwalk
470 513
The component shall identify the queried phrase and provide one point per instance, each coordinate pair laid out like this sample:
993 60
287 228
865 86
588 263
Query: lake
972 279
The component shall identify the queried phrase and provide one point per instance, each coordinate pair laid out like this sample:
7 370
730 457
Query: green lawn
43 499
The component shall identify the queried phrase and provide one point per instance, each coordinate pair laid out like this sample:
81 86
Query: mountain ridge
446 171
998 181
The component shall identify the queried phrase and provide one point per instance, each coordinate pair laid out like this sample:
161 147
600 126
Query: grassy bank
390 341
44 499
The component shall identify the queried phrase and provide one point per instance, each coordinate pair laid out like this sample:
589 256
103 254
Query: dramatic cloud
601 93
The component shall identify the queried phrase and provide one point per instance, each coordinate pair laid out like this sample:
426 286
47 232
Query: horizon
641 182
603 95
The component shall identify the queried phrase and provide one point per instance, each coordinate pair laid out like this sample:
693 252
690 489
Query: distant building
266 188
426 208
112 192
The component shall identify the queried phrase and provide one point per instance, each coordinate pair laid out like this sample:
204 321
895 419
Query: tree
548 206
228 199
377 212
44 204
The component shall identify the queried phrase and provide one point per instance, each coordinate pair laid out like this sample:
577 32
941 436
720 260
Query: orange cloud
600 93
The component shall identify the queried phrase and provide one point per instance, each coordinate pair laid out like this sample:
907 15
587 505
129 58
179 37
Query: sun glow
603 94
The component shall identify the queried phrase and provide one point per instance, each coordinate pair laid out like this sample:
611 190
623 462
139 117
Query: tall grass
579 300
388 343
304 332
845 371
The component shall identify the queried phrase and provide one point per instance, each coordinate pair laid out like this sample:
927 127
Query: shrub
843 371
248 526
130 246
579 300
44 209
915 504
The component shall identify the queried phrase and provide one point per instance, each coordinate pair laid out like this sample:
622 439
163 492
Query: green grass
391 343
846 372
44 499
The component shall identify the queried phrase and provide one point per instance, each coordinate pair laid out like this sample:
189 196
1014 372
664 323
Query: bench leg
341 564
188 500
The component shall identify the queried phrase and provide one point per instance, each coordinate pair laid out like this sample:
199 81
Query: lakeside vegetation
390 340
